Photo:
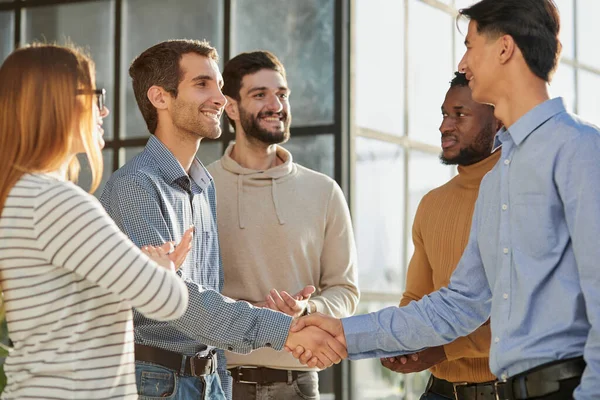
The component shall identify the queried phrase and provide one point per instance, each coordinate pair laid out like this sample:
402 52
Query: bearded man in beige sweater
286 229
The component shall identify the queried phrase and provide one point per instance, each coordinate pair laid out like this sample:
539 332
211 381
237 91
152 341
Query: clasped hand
317 340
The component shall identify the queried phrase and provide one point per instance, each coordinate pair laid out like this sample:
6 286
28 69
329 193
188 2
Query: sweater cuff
273 329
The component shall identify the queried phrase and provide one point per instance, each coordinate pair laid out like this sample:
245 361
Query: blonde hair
42 118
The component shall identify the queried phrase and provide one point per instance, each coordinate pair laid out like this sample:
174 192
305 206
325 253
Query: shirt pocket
534 231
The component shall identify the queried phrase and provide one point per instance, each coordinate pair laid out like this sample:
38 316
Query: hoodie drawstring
239 199
275 202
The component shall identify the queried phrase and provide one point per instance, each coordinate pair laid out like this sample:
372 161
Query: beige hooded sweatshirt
284 228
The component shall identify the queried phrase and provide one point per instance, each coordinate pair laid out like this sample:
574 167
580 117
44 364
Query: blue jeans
433 396
155 382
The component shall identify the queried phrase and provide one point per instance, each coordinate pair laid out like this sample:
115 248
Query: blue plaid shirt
153 200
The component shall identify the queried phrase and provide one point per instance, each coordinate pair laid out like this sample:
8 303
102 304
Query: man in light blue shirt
533 257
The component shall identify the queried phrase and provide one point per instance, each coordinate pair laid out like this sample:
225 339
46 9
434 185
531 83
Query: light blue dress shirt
532 261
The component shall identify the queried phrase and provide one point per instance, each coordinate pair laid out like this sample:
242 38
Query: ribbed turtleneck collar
470 176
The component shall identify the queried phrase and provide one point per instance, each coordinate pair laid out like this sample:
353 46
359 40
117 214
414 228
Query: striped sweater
69 279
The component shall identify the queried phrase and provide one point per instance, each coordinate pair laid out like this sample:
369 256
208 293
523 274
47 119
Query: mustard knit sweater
440 234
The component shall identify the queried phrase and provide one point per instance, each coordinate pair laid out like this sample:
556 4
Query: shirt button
506 162
268 344
505 250
496 339
504 207
230 348
505 296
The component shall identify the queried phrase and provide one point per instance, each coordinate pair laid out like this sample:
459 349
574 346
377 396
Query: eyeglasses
100 96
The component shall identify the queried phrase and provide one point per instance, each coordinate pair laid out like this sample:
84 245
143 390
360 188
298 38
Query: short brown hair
42 117
159 65
247 64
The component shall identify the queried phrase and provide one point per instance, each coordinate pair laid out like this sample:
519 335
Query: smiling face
99 115
199 103
264 108
480 64
467 128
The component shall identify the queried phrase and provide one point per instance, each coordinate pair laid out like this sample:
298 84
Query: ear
158 97
507 48
231 108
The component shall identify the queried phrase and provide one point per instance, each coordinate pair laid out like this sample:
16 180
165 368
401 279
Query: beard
480 149
251 126
188 118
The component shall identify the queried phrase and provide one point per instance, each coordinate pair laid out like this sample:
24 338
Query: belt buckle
239 375
456 385
496 391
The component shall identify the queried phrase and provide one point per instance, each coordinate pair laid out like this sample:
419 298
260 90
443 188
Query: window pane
588 32
565 8
178 19
314 152
7 29
425 172
379 80
589 102
378 72
379 215
85 174
89 25
301 35
563 84
373 382
430 69
464 3
460 33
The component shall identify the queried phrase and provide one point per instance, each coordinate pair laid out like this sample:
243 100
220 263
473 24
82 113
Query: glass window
89 25
430 69
464 3
178 19
7 30
565 8
301 35
379 72
563 84
85 173
588 31
379 215
314 152
371 381
589 102
461 28
425 172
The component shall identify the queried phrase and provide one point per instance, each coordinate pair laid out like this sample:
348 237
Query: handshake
317 340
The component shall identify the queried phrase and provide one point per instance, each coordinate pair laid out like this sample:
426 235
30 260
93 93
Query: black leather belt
262 375
543 380
464 390
194 366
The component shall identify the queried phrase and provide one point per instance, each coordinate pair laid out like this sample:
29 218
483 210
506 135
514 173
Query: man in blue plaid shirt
155 197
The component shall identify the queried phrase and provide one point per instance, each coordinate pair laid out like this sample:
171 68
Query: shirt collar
171 169
529 122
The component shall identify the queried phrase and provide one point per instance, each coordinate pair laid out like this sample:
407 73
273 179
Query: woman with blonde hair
68 274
